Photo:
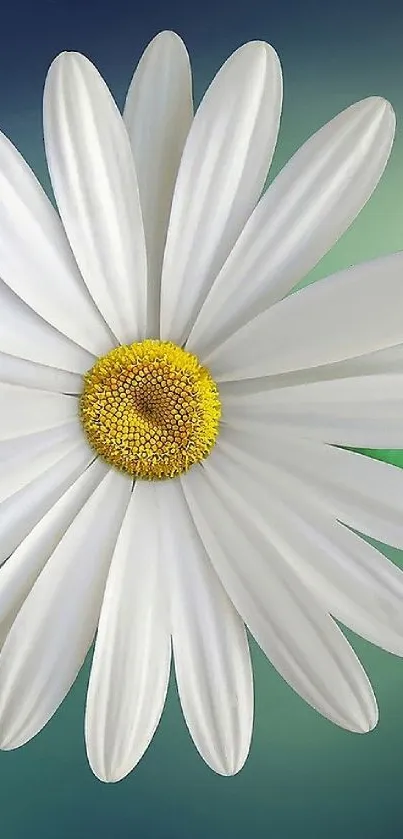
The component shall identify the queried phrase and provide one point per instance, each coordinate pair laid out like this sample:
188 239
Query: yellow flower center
150 409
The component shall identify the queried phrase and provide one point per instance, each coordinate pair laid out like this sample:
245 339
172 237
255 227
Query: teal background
304 777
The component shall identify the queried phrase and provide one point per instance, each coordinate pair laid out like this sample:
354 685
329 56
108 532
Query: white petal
349 314
288 622
55 627
212 662
158 114
222 173
380 362
18 371
94 181
131 664
25 410
365 411
364 493
22 510
355 582
18 574
389 360
25 458
306 209
25 335
35 258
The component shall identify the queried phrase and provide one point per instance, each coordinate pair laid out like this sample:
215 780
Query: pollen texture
150 409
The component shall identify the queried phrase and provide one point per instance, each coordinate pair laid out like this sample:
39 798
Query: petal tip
10 744
260 50
372 721
228 764
169 36
66 57
107 770
108 777
367 720
230 769
65 62
377 108
166 41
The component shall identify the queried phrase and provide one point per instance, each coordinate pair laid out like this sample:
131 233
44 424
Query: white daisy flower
173 424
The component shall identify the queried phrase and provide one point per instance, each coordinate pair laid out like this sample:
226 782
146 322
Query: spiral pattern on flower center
150 409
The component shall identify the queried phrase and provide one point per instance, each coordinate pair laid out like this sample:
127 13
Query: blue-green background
303 777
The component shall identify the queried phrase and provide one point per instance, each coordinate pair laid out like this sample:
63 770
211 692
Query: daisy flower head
175 425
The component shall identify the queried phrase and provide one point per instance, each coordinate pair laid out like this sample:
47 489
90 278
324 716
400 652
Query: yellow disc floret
150 409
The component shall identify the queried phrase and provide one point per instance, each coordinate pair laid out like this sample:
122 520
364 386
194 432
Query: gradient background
304 777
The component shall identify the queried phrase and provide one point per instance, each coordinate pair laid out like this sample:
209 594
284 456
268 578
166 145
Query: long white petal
55 627
306 209
212 662
19 371
287 620
18 574
353 580
349 314
222 173
20 512
94 181
158 114
24 334
25 410
363 411
364 493
36 261
27 457
381 362
131 664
